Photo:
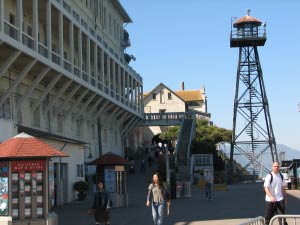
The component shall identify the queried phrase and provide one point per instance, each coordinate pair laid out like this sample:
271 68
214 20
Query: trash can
289 185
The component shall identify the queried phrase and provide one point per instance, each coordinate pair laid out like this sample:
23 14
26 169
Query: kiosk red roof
26 146
109 159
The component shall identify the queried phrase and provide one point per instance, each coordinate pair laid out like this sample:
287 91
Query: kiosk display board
4 189
28 191
109 179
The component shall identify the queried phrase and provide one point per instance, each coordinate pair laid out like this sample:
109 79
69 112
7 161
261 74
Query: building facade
64 77
162 99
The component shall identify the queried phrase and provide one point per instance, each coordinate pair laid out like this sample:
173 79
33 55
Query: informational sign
110 181
34 165
3 189
51 184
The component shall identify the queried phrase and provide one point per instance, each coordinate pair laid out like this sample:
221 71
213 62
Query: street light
167 165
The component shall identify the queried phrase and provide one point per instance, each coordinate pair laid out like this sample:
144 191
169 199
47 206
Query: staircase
186 135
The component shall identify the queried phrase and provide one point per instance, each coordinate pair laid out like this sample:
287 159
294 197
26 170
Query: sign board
110 179
3 189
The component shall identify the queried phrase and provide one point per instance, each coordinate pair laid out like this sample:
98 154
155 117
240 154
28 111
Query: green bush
81 186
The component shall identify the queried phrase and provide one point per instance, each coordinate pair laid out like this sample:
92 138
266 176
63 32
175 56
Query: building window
162 98
5 110
60 122
162 111
79 170
36 117
93 133
105 135
169 96
78 127
154 96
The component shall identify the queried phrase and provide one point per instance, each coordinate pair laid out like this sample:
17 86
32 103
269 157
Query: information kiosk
26 182
111 170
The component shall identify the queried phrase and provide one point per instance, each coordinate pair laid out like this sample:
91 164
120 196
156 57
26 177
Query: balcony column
141 100
124 82
119 89
71 38
35 24
132 93
48 24
96 64
61 37
138 97
108 75
80 52
128 88
88 57
102 69
20 19
114 79
1 15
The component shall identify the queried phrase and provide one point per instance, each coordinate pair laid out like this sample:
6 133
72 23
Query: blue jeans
157 212
208 190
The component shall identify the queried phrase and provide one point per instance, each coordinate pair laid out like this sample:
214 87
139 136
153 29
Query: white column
80 52
61 37
96 63
141 100
128 88
35 24
102 68
20 19
88 57
108 75
71 38
119 82
48 23
124 82
1 15
114 86
132 93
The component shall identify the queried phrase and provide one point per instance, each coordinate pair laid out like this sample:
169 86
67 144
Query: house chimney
182 86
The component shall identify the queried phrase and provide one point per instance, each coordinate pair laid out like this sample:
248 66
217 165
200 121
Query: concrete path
238 204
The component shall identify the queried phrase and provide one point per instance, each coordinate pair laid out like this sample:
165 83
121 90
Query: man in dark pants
275 194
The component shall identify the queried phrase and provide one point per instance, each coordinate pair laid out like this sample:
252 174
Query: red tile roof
247 19
25 146
109 159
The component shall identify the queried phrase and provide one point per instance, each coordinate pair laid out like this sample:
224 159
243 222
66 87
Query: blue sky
175 40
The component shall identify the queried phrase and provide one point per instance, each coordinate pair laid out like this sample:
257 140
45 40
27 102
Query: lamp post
167 164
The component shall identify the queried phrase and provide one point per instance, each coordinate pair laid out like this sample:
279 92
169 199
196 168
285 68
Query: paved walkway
238 204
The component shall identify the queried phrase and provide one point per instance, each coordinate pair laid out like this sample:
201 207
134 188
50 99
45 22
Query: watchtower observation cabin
248 31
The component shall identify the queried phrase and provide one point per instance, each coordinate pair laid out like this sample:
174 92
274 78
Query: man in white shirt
275 194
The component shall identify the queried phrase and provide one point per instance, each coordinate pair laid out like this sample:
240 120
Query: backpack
271 180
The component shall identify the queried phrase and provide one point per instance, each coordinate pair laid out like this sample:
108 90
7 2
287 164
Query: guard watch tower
252 128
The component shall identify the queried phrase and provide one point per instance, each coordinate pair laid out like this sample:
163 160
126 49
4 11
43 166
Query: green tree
206 140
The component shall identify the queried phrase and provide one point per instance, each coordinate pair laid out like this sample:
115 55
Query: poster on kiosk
28 189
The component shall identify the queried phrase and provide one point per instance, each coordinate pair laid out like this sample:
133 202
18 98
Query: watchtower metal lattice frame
252 127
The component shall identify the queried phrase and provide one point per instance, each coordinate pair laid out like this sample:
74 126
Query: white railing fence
255 221
291 219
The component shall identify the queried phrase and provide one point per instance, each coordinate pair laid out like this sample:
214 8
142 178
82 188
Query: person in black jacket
101 205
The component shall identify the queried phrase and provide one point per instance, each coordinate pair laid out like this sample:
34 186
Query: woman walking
159 194
102 204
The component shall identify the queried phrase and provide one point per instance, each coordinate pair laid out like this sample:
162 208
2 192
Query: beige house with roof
162 99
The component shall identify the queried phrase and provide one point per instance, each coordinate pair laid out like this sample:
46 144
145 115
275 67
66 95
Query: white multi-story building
64 78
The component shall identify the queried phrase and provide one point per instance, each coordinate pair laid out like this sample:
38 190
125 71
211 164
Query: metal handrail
282 216
256 221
